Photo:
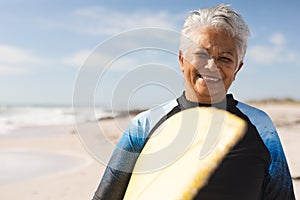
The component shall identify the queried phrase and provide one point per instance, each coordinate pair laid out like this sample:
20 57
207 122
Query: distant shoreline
275 101
285 100
268 101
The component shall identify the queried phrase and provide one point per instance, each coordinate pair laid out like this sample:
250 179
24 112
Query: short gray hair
220 16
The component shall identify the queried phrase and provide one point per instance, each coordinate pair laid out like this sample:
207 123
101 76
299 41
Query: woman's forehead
212 40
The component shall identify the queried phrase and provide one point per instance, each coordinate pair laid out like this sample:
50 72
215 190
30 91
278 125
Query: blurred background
44 46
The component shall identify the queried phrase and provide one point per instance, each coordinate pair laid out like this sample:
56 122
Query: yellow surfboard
182 153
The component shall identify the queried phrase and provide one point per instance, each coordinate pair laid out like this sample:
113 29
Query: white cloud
14 55
121 62
8 70
278 39
88 58
77 58
273 52
263 54
98 60
16 60
102 21
129 50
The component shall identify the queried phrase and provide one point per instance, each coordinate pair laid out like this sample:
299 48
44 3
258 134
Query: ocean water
15 117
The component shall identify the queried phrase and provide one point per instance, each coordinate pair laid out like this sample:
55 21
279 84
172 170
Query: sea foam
14 117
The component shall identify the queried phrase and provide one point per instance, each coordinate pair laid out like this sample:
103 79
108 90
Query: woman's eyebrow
200 49
228 52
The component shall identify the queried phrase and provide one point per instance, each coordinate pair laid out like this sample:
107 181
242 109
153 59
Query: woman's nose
211 65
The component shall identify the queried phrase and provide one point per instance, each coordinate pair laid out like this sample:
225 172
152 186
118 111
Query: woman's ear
238 69
181 61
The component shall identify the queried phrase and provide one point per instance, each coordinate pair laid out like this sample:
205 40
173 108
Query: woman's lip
209 79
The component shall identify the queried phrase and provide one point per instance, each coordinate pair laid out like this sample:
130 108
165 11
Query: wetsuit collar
228 102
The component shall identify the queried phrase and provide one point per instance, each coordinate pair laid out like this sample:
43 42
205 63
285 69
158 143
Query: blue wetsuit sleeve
119 169
278 185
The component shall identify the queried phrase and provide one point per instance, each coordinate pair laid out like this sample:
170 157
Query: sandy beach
51 163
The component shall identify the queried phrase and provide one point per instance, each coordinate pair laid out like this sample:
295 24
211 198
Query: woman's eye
225 59
203 55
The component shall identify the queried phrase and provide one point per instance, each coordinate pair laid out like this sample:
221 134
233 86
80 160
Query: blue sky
43 44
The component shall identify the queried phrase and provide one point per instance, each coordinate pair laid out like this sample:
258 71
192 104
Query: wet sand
47 166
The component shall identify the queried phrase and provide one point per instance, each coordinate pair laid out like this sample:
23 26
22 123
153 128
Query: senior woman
212 48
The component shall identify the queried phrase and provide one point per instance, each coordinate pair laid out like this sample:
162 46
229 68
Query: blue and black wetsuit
254 169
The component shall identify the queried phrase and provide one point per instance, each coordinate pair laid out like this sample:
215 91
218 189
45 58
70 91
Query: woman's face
209 65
